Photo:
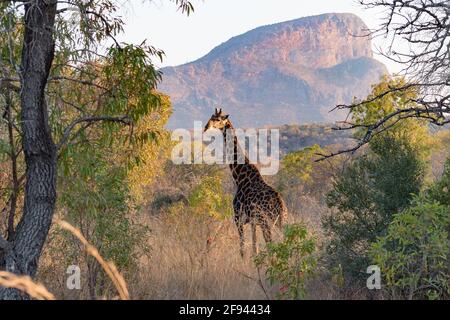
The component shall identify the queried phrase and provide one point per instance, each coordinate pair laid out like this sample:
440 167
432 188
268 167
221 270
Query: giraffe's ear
226 116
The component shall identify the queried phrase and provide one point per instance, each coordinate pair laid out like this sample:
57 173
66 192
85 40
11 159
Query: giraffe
255 202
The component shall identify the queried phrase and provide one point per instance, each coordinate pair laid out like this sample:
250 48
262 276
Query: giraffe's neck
243 172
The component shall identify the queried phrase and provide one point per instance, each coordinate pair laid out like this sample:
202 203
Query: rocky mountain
285 73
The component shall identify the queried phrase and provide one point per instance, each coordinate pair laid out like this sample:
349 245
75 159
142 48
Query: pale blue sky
185 39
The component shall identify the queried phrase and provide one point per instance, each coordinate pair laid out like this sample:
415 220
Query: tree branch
90 119
7 83
379 126
80 81
425 26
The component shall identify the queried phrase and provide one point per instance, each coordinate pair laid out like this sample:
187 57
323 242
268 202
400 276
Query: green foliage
414 255
209 197
367 195
5 149
291 262
299 164
301 174
93 194
372 111
129 70
413 131
440 191
373 188
98 186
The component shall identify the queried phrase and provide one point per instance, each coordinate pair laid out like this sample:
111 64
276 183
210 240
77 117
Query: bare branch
424 25
379 126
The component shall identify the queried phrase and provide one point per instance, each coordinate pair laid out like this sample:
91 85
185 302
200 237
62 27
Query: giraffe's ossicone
255 202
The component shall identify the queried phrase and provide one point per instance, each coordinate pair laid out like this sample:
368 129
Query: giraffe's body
255 202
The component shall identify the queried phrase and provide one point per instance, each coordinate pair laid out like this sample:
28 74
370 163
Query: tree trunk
38 146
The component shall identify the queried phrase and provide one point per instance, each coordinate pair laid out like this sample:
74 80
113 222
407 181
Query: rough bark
13 156
39 149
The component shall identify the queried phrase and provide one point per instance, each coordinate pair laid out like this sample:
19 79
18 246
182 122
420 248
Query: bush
365 197
440 191
377 185
414 255
290 262
209 197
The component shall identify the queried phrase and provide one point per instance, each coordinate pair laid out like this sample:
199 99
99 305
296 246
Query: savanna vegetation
82 139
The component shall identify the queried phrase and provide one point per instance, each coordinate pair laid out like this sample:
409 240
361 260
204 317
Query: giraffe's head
218 120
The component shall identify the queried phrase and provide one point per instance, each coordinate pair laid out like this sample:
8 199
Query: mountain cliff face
289 72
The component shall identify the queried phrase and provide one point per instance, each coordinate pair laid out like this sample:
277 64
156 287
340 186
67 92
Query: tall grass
194 256
108 266
38 291
26 285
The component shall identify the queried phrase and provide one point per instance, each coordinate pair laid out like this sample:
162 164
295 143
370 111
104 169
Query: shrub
378 184
365 197
440 191
414 254
290 262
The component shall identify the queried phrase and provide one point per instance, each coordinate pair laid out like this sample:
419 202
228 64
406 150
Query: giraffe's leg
267 232
240 227
254 242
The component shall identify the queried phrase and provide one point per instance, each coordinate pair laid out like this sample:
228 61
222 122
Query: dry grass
196 257
193 256
26 285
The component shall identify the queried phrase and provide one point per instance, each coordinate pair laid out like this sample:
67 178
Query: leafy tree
57 83
95 194
291 262
375 186
94 197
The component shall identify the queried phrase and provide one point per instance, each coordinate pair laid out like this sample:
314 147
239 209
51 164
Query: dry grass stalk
109 267
25 284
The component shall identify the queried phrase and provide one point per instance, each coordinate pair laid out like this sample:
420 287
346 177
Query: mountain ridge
287 72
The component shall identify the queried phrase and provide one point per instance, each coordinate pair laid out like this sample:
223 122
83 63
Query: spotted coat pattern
255 202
